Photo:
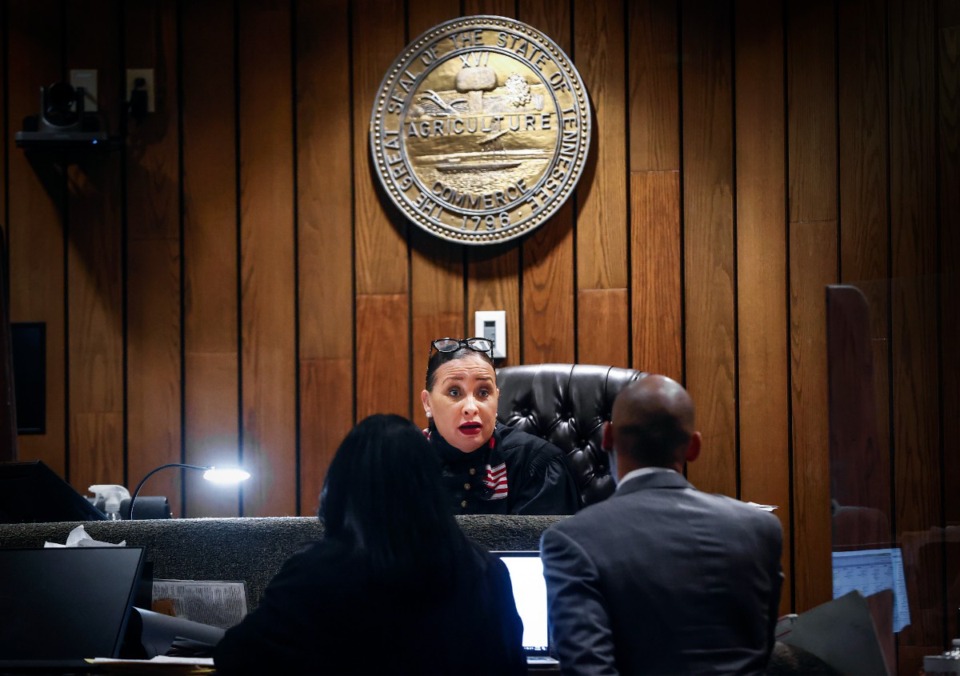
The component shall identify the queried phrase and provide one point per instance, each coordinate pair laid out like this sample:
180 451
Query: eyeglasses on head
476 344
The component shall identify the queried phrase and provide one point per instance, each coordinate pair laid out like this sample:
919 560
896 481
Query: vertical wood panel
267 258
324 238
864 248
601 313
35 208
655 267
812 198
94 274
549 321
8 420
153 250
949 109
602 234
493 7
653 86
423 15
211 350
811 82
436 266
709 239
657 301
915 414
4 146
548 318
812 267
325 420
381 259
374 314
493 272
762 264
381 249
863 153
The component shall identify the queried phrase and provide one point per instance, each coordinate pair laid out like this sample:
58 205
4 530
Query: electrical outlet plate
86 78
493 324
147 75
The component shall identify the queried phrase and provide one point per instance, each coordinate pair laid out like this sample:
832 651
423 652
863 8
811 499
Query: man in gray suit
661 578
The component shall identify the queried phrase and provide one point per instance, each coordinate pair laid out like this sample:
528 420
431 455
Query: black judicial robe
514 473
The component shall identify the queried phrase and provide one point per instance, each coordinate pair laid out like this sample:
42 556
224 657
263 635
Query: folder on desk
61 605
841 633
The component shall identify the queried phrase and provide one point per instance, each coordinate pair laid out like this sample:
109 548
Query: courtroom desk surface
249 549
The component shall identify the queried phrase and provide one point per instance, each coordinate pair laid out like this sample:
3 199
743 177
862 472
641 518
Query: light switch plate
86 78
147 75
493 324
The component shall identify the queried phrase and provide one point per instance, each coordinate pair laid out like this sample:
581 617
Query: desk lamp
224 476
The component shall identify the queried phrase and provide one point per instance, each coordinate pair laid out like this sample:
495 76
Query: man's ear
606 443
425 400
693 448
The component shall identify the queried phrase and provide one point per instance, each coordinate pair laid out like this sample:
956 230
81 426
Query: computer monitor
31 492
66 603
530 597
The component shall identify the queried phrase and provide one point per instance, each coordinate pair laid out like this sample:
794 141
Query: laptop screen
530 595
66 603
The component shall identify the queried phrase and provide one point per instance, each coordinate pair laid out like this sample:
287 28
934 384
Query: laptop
62 605
530 596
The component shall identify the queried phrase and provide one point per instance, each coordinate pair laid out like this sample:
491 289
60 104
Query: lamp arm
136 492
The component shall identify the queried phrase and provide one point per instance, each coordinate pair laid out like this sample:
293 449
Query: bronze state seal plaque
480 129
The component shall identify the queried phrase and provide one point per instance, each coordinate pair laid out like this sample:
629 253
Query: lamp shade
224 476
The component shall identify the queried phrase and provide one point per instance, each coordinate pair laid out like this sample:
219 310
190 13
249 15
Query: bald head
653 424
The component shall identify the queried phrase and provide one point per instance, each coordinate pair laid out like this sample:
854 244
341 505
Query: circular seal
480 129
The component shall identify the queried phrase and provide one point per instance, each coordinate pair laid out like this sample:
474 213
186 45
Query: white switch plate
81 77
493 322
147 75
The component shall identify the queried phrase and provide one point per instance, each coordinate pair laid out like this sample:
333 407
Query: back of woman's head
383 494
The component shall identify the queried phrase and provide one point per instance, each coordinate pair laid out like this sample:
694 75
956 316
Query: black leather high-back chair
566 404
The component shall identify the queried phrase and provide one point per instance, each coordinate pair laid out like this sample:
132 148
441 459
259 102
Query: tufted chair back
566 404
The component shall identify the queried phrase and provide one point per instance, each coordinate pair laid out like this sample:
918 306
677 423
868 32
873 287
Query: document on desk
870 571
160 663
214 602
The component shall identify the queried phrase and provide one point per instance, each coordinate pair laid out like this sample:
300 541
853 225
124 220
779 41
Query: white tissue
79 537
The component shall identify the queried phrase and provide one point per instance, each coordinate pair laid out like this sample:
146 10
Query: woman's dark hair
438 359
383 495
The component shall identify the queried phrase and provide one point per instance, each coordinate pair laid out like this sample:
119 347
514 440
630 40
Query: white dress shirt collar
643 471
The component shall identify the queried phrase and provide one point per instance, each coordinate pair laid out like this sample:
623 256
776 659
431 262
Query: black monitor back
31 492
66 603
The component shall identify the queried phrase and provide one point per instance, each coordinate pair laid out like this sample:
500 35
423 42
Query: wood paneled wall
233 286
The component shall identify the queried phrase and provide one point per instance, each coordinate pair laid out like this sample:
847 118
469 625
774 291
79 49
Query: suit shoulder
762 518
589 518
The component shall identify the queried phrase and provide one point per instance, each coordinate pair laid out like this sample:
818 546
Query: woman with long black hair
395 587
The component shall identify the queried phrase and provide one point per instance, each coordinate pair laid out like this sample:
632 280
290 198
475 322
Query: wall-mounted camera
62 121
